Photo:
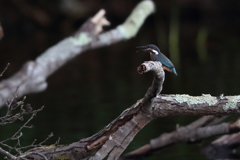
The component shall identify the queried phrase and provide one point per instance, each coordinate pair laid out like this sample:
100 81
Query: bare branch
18 134
33 145
195 131
114 138
158 76
32 76
12 114
4 69
223 147
110 142
167 139
7 154
206 104
39 154
229 141
57 142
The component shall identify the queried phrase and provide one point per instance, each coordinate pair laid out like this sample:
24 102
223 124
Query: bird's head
149 48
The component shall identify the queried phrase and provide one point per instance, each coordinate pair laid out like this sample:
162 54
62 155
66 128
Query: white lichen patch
81 40
232 102
191 100
130 27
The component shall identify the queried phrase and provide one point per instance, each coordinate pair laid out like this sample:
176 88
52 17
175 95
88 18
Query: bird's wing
165 61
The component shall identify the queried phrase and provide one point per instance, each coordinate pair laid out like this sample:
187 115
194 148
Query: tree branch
191 133
179 135
206 104
223 147
32 76
18 134
111 141
4 69
7 154
115 137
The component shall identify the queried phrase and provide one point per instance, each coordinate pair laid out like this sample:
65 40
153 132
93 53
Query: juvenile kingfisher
157 55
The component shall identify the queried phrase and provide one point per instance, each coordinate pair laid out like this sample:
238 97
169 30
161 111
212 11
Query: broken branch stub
158 77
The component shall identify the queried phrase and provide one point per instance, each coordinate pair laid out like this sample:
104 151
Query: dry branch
193 132
4 69
115 137
224 147
32 76
206 104
177 136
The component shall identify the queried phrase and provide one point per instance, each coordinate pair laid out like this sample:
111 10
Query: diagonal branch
110 142
225 146
1 74
32 76
167 139
200 129
116 136
7 154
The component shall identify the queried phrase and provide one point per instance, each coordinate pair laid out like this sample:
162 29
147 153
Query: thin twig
19 130
18 134
5 145
57 142
12 105
7 154
29 153
41 155
4 70
37 145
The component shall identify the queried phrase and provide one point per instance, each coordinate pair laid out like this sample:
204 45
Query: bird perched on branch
157 55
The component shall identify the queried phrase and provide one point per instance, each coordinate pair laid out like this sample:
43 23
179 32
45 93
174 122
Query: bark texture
110 142
32 76
115 137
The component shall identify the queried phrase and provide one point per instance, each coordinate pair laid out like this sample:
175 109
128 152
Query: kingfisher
157 55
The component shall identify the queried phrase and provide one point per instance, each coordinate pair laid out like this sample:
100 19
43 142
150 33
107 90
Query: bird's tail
174 71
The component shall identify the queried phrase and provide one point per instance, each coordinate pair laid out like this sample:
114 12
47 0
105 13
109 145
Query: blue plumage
157 55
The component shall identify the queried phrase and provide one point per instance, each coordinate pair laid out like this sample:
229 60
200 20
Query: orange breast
166 68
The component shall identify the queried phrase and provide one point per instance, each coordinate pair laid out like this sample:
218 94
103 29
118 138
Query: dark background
90 91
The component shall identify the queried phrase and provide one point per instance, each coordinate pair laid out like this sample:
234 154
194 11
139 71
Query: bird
157 55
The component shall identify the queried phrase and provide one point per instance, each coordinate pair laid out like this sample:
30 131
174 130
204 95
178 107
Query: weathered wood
115 137
206 104
32 76
112 140
200 129
224 147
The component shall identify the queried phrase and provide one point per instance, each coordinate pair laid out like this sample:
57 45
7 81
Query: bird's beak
142 48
